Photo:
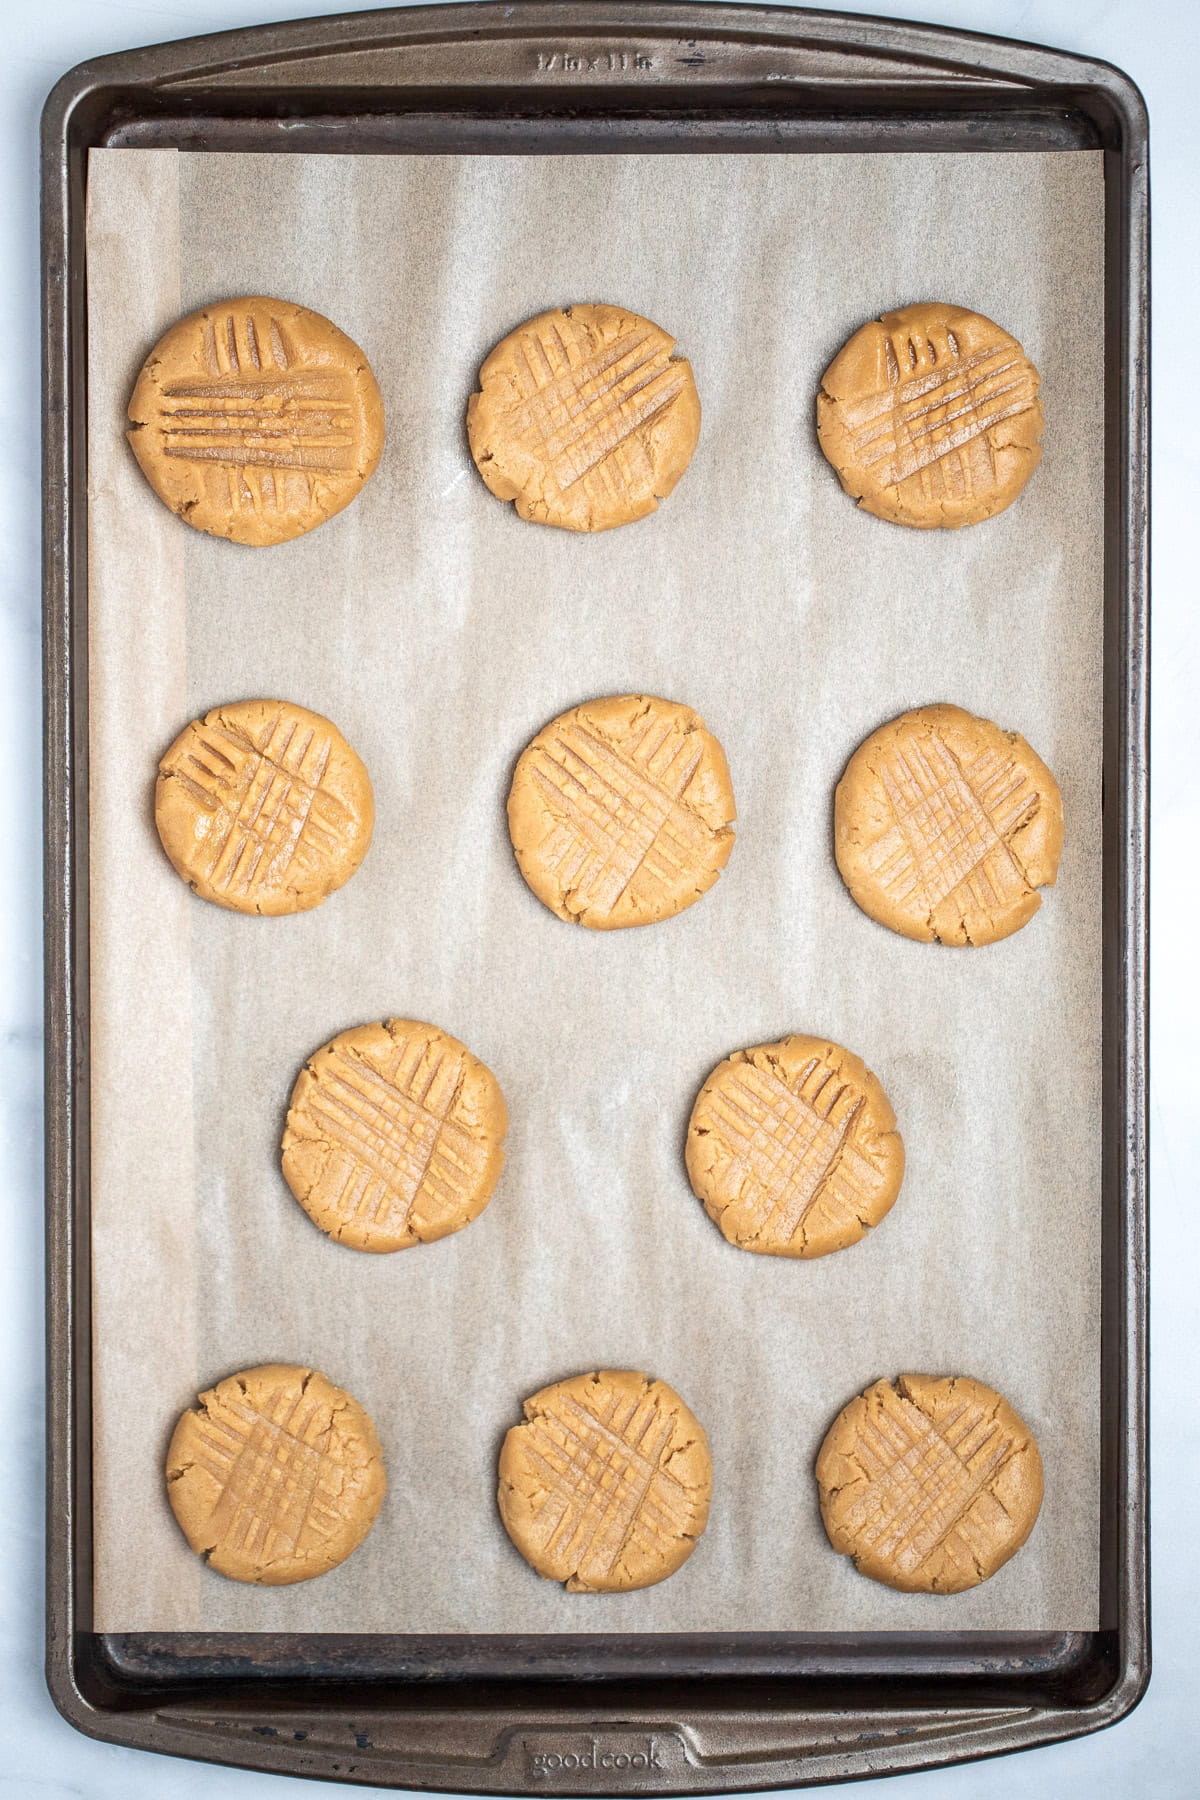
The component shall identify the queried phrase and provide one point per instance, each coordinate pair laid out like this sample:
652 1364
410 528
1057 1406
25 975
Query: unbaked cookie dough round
793 1148
263 807
394 1136
276 1476
930 1485
605 1485
584 418
945 827
621 812
931 416
256 419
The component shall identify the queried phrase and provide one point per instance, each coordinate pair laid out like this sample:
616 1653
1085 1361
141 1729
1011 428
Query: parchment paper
440 633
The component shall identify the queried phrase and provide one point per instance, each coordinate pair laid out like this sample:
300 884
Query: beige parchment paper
440 633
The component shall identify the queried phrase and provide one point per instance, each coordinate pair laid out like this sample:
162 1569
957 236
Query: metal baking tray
597 1714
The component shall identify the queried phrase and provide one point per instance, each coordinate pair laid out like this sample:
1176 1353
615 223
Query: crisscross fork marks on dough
926 1482
618 813
394 1140
275 810
275 1484
263 422
602 1482
795 1148
935 424
952 825
582 412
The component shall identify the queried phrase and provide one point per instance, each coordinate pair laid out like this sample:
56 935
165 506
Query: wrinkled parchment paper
440 633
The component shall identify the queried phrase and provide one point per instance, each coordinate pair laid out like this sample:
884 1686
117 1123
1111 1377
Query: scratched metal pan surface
597 1714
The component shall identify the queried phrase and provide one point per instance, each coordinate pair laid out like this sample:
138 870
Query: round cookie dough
931 417
621 812
263 807
945 827
584 418
930 1485
606 1484
793 1148
394 1136
277 1475
256 419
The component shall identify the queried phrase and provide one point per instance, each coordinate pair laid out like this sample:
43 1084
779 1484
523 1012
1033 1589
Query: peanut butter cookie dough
256 419
793 1148
931 416
945 827
930 1485
277 1475
621 812
606 1484
263 807
584 418
394 1136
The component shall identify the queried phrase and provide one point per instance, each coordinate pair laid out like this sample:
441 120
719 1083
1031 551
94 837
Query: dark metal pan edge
784 1731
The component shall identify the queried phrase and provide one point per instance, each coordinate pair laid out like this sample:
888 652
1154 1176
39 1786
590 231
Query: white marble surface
1152 1755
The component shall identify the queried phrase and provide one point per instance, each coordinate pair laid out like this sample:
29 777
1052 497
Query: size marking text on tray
600 62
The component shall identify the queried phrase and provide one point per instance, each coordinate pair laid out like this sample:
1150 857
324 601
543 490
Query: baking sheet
440 632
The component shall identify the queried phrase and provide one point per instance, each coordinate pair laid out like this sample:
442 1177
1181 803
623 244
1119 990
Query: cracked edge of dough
486 1121
1020 435
713 803
698 1480
172 486
349 784
881 1129
838 1469
1036 847
680 424
193 1492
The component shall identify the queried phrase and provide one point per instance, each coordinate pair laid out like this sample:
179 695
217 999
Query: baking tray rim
108 1711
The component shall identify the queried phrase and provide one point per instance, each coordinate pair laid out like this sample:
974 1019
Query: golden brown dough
263 807
606 1484
945 827
276 1476
584 418
931 416
621 811
256 419
394 1136
930 1485
793 1149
